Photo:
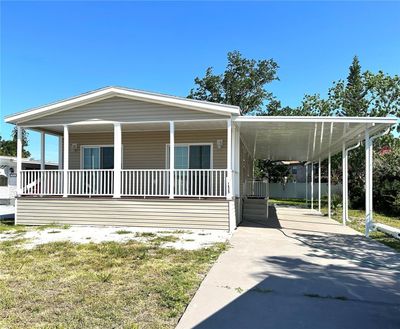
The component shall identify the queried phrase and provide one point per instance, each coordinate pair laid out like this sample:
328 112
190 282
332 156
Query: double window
192 156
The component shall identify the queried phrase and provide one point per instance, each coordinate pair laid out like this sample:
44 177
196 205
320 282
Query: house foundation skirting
162 213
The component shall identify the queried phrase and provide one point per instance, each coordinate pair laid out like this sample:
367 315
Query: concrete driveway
299 270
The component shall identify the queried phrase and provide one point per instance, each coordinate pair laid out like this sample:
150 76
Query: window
294 170
192 156
3 180
98 157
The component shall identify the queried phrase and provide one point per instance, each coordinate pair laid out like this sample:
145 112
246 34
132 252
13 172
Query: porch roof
305 138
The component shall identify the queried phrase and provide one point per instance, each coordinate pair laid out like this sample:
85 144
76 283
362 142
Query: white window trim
188 145
96 146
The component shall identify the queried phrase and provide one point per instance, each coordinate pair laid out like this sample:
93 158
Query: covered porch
100 158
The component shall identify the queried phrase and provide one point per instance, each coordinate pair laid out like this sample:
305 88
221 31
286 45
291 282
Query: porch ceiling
304 138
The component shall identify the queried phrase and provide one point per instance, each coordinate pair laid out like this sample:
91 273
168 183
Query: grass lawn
357 218
106 285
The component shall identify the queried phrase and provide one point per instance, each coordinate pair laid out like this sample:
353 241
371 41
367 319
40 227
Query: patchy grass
357 220
146 234
50 226
122 232
107 285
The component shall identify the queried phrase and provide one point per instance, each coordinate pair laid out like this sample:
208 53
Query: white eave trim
131 94
310 119
313 119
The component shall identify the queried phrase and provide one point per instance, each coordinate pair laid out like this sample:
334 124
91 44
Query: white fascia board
310 119
112 92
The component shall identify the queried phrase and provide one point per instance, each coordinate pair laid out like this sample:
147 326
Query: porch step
255 209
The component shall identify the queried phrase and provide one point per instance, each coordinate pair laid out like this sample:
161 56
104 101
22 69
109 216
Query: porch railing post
117 159
171 159
66 161
19 160
42 151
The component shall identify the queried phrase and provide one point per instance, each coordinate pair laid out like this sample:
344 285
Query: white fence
298 190
134 182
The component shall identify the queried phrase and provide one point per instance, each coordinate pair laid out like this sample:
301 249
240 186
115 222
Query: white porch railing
91 182
42 182
134 182
258 189
200 182
145 182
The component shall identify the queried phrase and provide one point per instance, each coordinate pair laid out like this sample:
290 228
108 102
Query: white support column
329 186
368 183
19 159
237 161
117 159
229 160
42 151
312 185
66 160
60 150
306 185
344 183
171 159
319 185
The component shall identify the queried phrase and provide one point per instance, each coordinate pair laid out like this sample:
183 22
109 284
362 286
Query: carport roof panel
305 138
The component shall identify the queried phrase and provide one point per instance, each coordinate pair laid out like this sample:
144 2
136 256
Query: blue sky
54 50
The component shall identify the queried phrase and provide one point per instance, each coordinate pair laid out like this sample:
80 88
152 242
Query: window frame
188 146
81 162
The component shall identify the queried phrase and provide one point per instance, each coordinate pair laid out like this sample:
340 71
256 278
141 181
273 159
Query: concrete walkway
299 270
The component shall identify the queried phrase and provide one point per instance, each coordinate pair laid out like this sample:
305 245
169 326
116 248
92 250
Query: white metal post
319 185
60 150
117 159
229 159
66 160
329 185
19 159
171 158
42 151
367 183
306 184
344 183
312 185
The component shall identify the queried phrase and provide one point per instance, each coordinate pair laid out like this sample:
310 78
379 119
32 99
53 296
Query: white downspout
329 186
319 185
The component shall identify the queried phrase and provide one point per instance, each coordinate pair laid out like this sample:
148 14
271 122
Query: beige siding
202 214
147 150
123 110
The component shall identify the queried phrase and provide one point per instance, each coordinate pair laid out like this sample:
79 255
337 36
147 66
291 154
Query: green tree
242 84
9 147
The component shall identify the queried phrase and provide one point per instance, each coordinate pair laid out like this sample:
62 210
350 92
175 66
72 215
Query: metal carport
313 139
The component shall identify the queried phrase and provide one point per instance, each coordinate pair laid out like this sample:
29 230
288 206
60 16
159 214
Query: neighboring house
8 175
115 148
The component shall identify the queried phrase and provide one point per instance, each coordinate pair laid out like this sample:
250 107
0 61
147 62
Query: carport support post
329 185
306 184
66 161
312 185
344 183
19 159
368 183
42 151
319 185
171 158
